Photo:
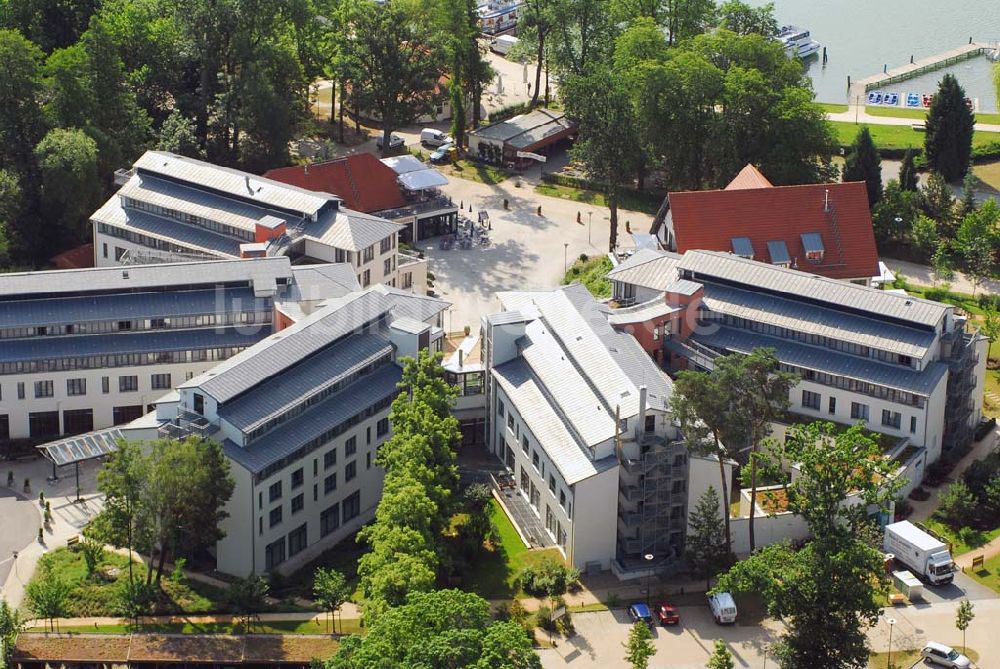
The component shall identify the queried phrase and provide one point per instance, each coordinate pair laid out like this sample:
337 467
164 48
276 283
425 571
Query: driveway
18 527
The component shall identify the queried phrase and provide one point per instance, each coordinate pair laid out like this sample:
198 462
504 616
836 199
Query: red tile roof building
824 229
362 181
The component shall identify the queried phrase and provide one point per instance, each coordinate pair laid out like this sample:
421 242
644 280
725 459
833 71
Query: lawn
958 546
907 658
988 173
832 108
347 626
641 202
98 595
592 273
343 557
494 575
475 171
989 575
897 136
921 114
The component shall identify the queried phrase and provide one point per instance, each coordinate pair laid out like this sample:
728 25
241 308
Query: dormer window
812 242
743 247
779 253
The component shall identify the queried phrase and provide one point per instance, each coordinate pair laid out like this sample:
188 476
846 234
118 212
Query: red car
667 614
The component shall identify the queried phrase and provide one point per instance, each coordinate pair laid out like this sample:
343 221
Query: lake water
862 36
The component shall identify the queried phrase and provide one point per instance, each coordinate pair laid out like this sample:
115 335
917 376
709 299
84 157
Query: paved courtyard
19 523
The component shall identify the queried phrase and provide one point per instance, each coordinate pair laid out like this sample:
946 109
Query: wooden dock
859 89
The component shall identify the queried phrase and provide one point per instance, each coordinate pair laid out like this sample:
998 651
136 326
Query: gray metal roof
537 123
339 407
545 423
817 320
233 182
800 285
53 348
404 164
129 306
411 305
290 346
822 360
409 325
350 230
647 268
683 287
299 382
640 313
82 447
137 277
321 282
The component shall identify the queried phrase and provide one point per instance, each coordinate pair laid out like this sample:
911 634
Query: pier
858 90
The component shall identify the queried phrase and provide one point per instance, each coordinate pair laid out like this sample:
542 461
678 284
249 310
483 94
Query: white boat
798 43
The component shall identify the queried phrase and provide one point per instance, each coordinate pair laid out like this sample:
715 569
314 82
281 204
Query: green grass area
907 658
346 626
343 557
958 545
592 273
988 173
921 114
494 574
989 574
898 136
646 204
98 595
475 171
832 107
962 300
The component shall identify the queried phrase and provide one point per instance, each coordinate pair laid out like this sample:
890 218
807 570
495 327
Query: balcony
406 258
430 204
630 519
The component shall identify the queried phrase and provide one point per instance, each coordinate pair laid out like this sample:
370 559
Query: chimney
305 169
826 201
460 357
640 427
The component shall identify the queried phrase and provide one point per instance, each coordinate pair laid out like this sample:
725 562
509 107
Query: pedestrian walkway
922 510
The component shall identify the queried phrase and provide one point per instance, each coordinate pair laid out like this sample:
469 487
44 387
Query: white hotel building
172 208
82 350
300 416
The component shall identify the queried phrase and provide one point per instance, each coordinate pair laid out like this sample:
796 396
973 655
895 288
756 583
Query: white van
723 608
503 44
432 137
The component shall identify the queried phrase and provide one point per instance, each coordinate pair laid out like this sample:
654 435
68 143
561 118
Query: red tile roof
361 180
749 177
709 220
76 258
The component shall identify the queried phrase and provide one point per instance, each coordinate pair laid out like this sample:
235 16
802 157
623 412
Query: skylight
779 253
743 247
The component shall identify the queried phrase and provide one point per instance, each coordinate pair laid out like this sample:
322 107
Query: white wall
767 530
595 515
702 473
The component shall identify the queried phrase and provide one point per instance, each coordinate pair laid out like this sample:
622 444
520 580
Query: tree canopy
950 123
864 164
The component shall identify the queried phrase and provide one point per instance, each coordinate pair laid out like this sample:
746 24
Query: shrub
971 538
548 579
509 111
957 506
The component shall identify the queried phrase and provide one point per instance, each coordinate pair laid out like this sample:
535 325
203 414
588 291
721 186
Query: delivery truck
928 558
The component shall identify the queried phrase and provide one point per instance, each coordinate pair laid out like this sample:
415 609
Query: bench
896 599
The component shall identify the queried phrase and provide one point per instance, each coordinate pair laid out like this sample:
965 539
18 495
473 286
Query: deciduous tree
71 189
47 595
744 19
950 124
331 591
639 648
975 242
247 599
721 658
963 617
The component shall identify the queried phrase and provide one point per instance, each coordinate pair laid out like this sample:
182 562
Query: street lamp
648 557
565 251
892 623
590 220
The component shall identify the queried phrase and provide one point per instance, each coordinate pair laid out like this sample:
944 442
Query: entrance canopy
81 447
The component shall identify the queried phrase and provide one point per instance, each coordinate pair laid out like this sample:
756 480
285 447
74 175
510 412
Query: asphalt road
19 523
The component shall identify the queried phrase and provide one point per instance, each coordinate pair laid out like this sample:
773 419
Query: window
369 253
105 384
315 466
366 278
330 483
913 424
275 516
20 390
104 250
126 414
891 418
274 554
650 425
315 492
407 280
510 421
832 404
859 411
387 266
385 245
534 459
76 386
330 458
562 498
160 381
352 506
524 444
298 478
44 389
524 480
368 460
810 400
535 497
350 447
128 384
297 540
552 484
157 323
350 471
274 492
329 520
119 252
743 247
124 325
199 403
368 435
500 409
298 503
382 428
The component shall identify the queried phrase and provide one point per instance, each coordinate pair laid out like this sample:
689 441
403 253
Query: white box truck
925 556
503 44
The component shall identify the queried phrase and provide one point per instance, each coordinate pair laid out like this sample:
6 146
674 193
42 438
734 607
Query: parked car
442 153
944 656
395 141
723 607
667 614
432 137
640 611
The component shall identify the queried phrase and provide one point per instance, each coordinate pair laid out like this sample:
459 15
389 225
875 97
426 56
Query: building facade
578 414
300 416
172 208
82 350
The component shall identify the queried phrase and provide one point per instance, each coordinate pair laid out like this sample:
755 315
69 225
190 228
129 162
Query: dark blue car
640 611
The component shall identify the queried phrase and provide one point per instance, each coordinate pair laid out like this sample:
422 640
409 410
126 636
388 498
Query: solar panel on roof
742 246
778 252
812 242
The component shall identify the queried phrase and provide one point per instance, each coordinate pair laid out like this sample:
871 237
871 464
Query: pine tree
950 124
721 657
864 164
967 204
706 544
908 172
